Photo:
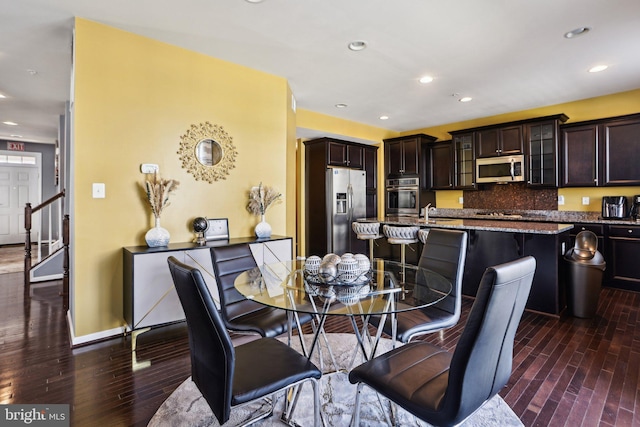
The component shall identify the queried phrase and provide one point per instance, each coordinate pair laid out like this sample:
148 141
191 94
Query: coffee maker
614 207
635 208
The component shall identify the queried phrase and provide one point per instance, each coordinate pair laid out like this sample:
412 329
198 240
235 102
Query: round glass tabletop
387 288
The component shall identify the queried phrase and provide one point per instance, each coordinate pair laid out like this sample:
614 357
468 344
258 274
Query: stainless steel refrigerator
346 202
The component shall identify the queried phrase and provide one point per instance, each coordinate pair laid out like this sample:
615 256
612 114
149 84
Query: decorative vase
263 229
157 236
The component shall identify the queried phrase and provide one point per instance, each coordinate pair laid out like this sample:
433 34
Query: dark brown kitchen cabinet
603 152
621 151
496 247
347 155
403 154
543 151
623 248
441 166
463 161
580 156
329 154
370 155
499 141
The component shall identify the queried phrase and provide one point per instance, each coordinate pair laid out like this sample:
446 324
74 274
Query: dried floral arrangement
158 191
261 197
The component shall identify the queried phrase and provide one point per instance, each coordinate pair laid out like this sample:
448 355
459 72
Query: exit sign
15 146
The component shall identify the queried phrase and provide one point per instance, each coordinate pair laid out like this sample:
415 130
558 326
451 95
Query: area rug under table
186 406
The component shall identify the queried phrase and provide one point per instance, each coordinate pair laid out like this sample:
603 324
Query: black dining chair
444 389
444 252
229 376
239 313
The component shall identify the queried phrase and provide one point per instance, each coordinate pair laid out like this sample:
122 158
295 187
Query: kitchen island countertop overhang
511 226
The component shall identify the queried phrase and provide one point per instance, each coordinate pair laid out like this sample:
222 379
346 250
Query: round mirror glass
208 152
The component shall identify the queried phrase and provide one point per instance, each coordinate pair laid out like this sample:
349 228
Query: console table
149 296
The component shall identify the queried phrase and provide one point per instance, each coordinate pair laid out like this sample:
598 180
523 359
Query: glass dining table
387 289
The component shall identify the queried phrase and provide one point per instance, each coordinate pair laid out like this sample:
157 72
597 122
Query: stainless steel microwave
500 169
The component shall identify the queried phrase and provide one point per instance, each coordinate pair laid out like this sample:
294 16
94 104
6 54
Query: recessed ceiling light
357 45
10 123
341 105
2 96
598 68
16 136
254 1
384 117
32 71
577 32
465 99
426 79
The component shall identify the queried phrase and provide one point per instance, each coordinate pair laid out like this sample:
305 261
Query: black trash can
585 271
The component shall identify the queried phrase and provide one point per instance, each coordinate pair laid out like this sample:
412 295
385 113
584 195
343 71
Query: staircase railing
53 231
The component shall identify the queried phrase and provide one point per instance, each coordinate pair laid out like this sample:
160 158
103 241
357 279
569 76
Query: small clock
218 229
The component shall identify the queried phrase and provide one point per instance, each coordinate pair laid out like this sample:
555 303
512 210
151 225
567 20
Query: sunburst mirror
207 152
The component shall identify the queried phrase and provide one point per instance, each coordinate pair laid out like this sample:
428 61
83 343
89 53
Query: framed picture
218 229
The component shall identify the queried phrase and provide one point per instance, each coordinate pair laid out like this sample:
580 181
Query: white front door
19 185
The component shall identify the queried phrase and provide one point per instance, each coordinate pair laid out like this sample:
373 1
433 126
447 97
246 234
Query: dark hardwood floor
567 372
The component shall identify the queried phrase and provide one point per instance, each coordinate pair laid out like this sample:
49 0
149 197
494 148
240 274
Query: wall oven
500 169
403 197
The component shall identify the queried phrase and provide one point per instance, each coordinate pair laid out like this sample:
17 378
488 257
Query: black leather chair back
212 352
228 263
445 252
482 361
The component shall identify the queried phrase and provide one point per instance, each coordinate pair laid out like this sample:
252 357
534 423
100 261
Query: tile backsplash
516 196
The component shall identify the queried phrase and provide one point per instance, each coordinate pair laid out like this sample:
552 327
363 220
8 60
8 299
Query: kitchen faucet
426 212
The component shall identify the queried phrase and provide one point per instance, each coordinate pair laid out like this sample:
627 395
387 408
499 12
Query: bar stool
401 236
422 235
367 231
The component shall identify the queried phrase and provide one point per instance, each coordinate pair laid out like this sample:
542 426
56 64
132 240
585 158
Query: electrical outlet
461 200
585 200
561 200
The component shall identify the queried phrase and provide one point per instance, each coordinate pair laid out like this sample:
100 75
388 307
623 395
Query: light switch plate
461 200
561 200
99 190
585 200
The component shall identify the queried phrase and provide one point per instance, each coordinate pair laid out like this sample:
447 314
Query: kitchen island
493 242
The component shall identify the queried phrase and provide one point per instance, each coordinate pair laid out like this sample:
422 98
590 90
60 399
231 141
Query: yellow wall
134 98
577 111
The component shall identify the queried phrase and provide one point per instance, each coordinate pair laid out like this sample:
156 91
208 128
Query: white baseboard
96 336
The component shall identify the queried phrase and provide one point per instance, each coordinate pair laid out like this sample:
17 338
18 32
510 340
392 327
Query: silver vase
263 229
157 236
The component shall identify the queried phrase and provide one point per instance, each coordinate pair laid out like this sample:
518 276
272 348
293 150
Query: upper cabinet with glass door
543 150
464 161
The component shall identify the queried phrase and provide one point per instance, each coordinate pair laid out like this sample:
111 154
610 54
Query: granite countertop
570 217
526 221
511 226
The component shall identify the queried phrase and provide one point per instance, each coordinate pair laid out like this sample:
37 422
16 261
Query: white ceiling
508 55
